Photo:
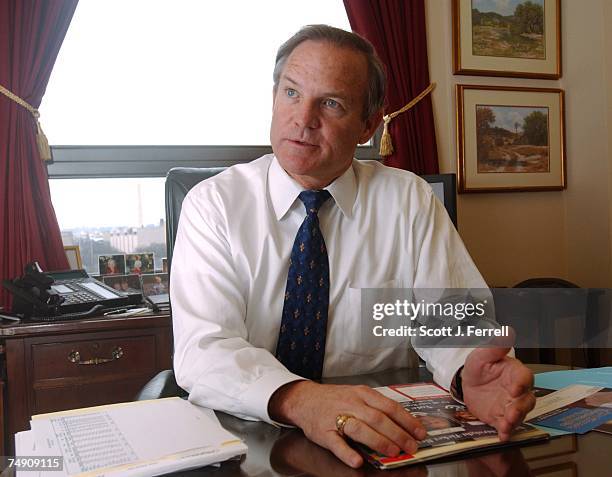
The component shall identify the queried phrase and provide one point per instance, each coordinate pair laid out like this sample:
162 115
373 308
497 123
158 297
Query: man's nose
307 115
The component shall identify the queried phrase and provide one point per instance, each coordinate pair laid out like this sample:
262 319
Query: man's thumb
481 356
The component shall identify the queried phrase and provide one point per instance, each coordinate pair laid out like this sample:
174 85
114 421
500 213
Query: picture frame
139 263
154 284
510 139
111 264
73 254
507 38
129 283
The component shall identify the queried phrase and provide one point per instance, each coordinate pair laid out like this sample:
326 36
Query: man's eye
291 93
332 103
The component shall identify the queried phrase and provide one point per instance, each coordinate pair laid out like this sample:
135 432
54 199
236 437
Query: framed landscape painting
519 38
510 139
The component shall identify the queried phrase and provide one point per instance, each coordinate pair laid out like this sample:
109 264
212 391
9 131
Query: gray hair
375 95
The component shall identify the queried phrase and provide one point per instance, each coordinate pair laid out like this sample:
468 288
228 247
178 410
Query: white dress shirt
383 227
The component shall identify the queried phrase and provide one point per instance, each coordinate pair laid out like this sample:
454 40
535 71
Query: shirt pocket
358 324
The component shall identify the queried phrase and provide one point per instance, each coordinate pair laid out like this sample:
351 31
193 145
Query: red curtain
31 33
397 30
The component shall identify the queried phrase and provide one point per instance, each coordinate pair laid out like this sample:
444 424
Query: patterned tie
301 341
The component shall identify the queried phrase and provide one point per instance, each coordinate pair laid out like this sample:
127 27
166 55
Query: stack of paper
142 438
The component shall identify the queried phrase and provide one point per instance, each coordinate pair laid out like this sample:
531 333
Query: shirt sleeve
443 262
213 359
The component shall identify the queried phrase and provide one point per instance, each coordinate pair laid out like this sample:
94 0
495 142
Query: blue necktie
301 340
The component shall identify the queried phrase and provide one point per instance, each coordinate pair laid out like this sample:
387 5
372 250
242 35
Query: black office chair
179 181
546 282
543 355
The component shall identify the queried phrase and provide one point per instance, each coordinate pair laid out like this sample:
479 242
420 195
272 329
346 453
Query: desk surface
27 328
286 452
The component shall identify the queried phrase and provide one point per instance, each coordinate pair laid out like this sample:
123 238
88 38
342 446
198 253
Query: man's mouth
297 142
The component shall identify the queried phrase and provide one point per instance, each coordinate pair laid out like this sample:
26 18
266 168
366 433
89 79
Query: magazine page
451 428
589 413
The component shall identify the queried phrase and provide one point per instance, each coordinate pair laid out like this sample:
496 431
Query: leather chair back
179 181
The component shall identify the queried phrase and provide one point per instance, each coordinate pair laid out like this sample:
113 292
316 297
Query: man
236 267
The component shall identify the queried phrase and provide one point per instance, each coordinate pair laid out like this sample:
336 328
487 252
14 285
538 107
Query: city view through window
111 216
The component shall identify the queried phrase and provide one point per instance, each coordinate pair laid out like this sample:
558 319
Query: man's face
317 118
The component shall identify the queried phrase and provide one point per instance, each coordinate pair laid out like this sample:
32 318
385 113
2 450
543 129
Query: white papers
561 398
130 439
420 391
412 392
391 394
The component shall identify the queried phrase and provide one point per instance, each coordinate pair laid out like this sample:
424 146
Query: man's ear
370 127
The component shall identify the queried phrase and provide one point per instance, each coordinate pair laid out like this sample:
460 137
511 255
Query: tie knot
313 199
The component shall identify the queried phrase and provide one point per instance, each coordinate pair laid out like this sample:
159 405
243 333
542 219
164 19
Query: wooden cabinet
49 367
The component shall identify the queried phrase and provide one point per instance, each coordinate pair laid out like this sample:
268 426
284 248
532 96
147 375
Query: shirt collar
284 190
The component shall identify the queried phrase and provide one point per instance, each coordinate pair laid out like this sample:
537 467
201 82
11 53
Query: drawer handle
75 357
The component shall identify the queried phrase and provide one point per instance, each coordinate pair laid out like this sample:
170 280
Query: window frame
89 162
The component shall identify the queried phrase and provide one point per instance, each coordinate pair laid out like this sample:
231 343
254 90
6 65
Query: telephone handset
66 294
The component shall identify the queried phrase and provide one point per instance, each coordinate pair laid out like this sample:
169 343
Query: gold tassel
386 145
42 142
41 139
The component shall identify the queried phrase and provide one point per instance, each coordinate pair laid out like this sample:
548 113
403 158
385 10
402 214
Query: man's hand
378 422
497 389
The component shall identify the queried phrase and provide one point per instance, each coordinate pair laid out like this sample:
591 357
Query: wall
520 235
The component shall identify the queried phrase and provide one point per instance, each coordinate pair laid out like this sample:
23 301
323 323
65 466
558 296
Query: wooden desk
47 367
286 452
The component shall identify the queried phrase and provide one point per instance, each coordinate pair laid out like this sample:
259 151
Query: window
154 84
111 216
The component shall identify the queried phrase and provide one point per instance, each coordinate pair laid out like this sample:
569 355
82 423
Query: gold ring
341 421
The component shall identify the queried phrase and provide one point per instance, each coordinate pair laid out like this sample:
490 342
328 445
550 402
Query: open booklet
451 429
142 438
589 410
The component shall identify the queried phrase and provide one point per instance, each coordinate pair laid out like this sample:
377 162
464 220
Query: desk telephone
62 295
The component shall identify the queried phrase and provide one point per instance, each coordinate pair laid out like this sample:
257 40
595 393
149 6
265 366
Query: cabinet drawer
94 358
93 394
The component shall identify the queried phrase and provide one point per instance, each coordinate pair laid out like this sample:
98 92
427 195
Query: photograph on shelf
164 265
125 283
73 254
517 38
510 139
140 263
154 284
111 264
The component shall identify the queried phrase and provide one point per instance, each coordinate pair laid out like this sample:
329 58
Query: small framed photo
164 265
140 263
125 283
73 254
517 38
111 264
510 139
154 284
